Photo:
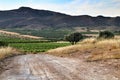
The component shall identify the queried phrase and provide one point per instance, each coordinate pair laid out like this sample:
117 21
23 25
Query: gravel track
48 67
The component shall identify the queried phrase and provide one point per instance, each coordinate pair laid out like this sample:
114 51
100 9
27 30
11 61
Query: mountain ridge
26 17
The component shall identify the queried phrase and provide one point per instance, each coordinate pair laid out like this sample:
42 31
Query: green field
30 45
37 47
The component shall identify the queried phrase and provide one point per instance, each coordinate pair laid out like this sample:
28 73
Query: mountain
29 18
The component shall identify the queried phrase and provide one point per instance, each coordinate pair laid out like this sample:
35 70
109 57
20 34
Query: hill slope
7 36
29 18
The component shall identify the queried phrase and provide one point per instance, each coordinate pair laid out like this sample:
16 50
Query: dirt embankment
47 67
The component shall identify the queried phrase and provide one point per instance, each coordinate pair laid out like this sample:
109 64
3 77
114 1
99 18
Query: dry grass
89 40
7 52
106 49
7 33
103 56
98 49
86 44
31 37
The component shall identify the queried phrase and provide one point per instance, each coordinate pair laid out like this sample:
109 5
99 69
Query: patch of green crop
37 47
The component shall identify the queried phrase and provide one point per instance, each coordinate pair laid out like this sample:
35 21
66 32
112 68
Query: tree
106 35
74 37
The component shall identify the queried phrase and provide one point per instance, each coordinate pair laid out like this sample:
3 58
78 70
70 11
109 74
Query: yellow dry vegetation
98 49
7 33
29 36
7 52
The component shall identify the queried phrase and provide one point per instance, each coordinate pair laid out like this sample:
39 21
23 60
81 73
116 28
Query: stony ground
47 67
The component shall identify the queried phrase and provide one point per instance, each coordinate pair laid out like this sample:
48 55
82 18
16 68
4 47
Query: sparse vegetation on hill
18 35
12 37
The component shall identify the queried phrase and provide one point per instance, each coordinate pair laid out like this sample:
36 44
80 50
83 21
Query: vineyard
37 47
28 44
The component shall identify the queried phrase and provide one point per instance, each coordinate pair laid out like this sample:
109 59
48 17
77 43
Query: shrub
74 37
8 52
106 35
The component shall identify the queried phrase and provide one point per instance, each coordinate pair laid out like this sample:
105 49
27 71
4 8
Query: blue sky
72 7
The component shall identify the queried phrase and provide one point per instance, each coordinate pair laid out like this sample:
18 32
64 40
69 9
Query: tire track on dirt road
48 67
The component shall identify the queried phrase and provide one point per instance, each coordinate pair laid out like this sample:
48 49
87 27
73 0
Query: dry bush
7 52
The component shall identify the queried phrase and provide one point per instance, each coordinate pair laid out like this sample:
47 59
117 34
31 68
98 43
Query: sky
72 7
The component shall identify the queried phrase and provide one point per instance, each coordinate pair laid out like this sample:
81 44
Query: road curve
47 67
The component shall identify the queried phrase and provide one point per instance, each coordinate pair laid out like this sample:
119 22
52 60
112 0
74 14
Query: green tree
106 35
74 37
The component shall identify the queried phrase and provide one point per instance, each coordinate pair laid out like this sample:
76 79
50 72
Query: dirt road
47 67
